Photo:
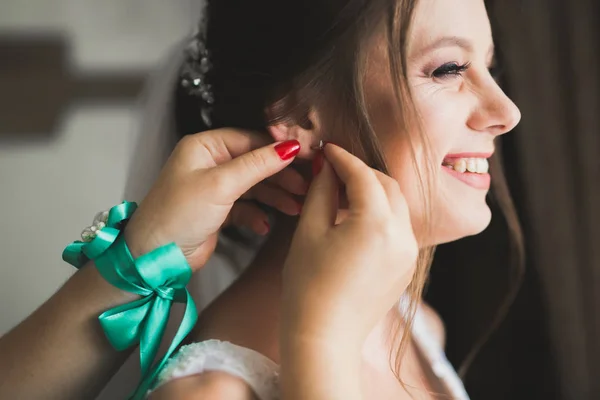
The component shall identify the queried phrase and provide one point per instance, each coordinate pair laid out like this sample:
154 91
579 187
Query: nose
495 113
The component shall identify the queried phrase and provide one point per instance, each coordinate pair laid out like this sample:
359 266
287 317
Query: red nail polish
288 149
317 163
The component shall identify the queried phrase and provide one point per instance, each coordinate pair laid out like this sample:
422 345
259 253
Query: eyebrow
453 41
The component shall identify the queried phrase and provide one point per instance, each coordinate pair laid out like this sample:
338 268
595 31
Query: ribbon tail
153 331
123 325
188 321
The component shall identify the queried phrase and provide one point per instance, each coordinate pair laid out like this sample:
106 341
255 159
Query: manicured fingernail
288 149
317 163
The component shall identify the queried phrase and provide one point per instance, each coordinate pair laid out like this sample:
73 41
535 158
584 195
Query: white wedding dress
262 374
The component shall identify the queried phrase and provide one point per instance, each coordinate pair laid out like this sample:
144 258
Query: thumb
242 173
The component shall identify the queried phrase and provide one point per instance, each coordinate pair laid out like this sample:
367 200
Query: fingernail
288 149
317 163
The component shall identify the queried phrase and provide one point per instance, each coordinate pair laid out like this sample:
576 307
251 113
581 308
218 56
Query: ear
308 137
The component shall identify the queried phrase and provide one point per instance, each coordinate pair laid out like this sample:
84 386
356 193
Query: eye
450 70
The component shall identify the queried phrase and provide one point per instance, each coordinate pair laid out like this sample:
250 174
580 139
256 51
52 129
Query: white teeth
473 165
460 165
482 166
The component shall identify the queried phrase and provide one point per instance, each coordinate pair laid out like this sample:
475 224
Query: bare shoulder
206 386
434 323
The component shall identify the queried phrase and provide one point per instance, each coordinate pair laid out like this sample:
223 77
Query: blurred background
70 75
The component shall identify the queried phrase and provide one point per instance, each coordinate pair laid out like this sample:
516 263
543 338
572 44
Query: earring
319 147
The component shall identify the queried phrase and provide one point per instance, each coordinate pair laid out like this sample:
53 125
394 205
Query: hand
198 190
341 278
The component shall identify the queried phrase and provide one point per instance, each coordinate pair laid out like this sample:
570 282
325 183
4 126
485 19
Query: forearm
60 352
326 371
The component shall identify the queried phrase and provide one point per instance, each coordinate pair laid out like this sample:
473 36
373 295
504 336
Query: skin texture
462 111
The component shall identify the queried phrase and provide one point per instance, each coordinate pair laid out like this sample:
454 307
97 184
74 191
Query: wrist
322 338
97 287
315 324
137 245
315 357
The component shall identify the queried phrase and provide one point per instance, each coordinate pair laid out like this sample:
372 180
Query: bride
404 85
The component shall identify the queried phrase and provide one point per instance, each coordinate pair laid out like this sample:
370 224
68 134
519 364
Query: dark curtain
548 346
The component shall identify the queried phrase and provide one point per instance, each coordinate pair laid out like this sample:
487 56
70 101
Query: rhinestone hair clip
193 76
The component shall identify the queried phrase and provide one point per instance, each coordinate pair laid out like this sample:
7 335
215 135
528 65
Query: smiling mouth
472 169
474 165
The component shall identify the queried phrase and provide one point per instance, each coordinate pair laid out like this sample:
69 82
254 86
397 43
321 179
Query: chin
459 222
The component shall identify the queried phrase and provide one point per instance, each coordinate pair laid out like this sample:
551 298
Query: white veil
150 148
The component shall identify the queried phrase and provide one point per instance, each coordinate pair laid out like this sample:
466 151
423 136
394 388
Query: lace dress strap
258 371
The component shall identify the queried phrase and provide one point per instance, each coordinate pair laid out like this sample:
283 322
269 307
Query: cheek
443 119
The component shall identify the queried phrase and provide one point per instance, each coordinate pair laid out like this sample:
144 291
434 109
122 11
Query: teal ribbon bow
159 277
79 253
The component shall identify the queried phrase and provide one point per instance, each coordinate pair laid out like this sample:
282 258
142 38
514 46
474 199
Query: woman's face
462 111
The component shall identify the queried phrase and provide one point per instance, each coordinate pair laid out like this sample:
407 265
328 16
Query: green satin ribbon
159 277
79 253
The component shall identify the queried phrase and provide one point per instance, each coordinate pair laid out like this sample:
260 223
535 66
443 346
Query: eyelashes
453 70
450 70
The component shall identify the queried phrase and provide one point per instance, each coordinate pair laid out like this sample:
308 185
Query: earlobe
308 138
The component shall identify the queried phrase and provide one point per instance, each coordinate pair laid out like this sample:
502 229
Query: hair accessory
194 72
159 278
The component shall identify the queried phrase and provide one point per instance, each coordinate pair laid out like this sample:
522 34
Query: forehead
467 19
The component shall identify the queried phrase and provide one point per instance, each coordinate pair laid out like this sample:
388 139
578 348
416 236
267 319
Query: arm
60 350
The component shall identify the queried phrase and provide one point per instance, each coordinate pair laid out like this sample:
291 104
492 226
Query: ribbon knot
159 278
166 293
